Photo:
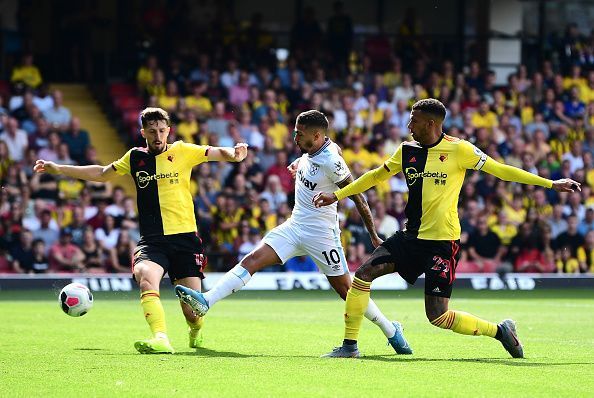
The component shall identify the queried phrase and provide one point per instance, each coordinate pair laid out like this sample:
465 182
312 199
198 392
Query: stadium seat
121 89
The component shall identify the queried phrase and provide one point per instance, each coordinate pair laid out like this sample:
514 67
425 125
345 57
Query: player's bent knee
250 263
364 274
435 310
433 314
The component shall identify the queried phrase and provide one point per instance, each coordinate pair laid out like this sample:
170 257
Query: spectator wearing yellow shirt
267 219
516 213
188 128
146 73
575 79
567 264
198 101
561 144
589 168
587 92
169 100
357 153
526 110
26 73
226 217
484 117
585 254
541 204
393 77
156 87
277 130
504 229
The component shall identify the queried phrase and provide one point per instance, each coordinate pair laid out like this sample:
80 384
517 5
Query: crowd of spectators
540 120
50 223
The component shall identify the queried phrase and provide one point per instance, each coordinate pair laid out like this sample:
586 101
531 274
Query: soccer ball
75 299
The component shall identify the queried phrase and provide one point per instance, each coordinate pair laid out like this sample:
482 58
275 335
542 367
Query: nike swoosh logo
516 342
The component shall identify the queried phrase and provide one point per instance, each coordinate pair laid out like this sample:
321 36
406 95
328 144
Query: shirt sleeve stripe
346 177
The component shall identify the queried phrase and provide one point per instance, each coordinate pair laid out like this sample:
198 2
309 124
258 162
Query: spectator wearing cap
64 255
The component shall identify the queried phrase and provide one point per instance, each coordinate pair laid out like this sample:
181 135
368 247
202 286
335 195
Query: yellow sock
197 324
465 323
356 304
153 312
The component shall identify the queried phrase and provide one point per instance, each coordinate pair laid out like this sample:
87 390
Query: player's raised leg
233 281
392 330
357 300
438 313
193 320
148 274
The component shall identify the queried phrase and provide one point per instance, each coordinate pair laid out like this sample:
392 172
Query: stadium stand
542 120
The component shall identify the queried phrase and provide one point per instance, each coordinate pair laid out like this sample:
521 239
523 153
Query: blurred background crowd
233 88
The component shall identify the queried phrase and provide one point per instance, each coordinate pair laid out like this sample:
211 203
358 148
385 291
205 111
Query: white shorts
322 244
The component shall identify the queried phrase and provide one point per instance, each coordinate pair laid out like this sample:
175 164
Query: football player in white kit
311 231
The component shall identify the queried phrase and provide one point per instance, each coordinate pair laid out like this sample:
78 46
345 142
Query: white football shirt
319 172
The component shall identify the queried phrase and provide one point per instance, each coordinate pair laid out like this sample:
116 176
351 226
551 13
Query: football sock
465 323
153 312
356 303
231 282
499 334
374 314
197 324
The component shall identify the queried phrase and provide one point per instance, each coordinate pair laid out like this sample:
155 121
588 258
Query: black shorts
181 255
436 258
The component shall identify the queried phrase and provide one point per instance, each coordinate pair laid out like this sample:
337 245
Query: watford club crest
443 157
170 158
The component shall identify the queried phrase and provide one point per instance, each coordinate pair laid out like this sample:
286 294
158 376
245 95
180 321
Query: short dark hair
431 106
313 118
153 115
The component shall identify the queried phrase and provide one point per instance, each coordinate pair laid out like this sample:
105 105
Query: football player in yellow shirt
169 239
434 166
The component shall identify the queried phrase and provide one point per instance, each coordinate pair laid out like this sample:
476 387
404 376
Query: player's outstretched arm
90 173
235 154
514 174
361 184
364 211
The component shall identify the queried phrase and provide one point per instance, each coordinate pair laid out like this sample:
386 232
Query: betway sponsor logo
143 178
412 175
308 184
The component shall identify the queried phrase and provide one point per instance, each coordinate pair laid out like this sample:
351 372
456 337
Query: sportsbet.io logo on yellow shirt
412 175
143 178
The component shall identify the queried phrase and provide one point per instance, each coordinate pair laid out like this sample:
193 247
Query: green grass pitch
269 343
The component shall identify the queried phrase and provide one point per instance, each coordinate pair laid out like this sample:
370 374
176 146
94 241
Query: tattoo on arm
362 207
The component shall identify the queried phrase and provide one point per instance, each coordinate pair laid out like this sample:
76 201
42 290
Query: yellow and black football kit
165 207
434 175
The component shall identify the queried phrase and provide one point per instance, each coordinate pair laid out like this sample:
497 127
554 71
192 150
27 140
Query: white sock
374 314
231 282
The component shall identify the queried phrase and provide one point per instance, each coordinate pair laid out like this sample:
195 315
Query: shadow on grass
89 349
206 352
500 361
